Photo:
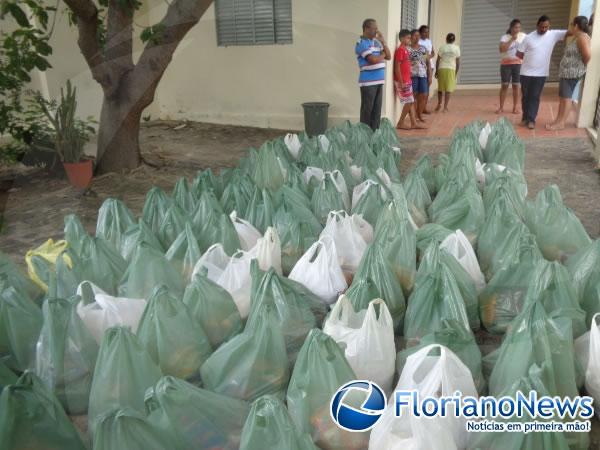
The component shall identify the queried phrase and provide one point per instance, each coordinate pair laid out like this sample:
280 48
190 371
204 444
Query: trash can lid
315 104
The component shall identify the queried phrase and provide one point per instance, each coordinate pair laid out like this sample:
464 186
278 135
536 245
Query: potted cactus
67 135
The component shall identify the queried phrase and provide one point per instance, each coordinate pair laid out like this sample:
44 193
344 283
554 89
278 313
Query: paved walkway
466 106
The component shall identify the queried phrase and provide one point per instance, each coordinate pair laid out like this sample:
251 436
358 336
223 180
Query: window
409 17
253 22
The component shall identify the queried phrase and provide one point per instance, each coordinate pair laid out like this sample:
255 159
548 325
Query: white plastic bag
384 177
268 251
215 260
236 277
480 174
356 172
100 311
319 270
236 280
349 235
431 376
293 144
313 172
246 232
324 141
484 135
587 349
367 340
458 245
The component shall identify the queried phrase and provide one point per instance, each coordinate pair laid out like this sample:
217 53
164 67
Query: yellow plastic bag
40 259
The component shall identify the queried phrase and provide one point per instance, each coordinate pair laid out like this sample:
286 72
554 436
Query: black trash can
315 117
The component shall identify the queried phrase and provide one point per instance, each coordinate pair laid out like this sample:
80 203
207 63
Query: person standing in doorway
403 82
421 73
372 52
510 65
447 65
536 52
426 42
572 69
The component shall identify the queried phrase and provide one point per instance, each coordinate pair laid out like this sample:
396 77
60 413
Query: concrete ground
33 206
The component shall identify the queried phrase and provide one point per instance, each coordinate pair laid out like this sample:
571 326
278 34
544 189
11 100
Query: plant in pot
66 135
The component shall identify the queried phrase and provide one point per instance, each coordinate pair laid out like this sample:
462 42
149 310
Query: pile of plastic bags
228 313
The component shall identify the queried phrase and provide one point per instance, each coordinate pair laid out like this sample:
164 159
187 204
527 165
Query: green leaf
18 14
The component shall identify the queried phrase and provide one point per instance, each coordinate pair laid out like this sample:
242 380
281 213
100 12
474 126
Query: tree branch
180 17
87 24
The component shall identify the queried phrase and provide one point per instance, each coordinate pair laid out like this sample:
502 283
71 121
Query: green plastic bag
396 235
424 167
297 228
114 218
199 419
328 196
101 264
499 234
269 425
124 370
20 324
128 429
65 278
172 337
260 210
558 231
171 225
436 297
509 184
431 232
155 207
368 199
320 370
511 153
212 225
584 267
74 232
269 172
523 441
213 307
7 376
293 312
465 213
134 237
417 196
375 278
183 197
207 181
453 335
66 355
250 364
536 339
237 193
184 252
32 418
149 268
441 171
500 300
11 275
388 160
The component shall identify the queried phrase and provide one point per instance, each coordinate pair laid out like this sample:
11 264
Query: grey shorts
566 87
510 72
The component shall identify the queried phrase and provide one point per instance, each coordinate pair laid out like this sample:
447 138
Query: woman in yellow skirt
447 65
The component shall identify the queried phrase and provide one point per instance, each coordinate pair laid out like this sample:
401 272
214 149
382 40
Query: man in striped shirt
371 52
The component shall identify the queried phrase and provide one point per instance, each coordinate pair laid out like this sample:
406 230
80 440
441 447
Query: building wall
265 85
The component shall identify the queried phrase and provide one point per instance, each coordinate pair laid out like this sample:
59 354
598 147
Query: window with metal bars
253 22
410 9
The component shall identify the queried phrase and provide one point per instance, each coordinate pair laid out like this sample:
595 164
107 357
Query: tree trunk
118 135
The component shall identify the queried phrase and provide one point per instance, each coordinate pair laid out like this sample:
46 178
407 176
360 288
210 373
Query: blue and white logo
364 418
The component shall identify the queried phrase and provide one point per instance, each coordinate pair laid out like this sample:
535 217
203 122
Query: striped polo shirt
370 74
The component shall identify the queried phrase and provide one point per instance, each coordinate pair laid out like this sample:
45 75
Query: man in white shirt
425 41
536 52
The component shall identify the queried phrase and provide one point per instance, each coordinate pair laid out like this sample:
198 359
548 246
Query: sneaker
531 125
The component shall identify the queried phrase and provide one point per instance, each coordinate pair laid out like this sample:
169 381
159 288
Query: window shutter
253 22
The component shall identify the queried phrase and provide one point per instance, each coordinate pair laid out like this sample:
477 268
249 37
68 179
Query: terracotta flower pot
79 173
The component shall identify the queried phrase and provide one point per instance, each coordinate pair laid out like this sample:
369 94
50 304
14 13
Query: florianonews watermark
523 412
